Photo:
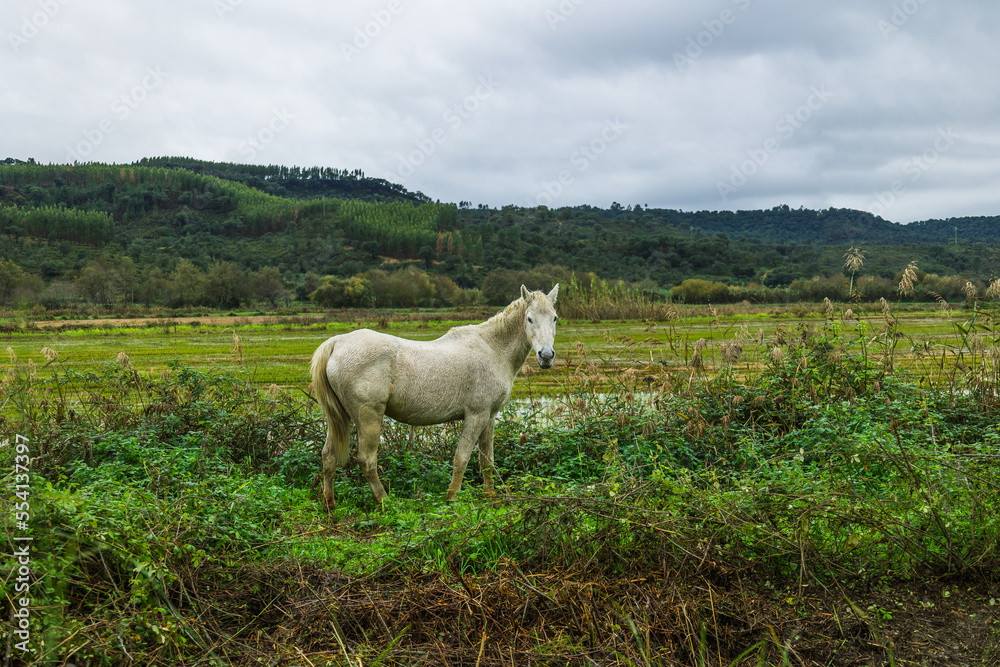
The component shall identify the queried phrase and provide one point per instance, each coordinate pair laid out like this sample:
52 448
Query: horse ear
554 293
525 294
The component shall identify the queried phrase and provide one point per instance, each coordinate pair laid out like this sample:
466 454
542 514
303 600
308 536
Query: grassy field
277 349
740 486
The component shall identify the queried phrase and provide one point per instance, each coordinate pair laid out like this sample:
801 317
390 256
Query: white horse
466 374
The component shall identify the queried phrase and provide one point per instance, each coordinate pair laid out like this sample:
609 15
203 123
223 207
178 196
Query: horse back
418 382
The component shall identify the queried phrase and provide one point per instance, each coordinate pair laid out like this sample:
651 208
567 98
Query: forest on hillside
178 232
294 182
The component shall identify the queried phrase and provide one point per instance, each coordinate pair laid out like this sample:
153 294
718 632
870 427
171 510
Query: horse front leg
486 457
471 431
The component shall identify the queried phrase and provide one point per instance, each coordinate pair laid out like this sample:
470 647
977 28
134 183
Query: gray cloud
714 105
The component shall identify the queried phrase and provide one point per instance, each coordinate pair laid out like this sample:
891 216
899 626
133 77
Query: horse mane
508 320
504 324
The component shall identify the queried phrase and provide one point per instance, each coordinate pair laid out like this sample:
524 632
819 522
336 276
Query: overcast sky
889 106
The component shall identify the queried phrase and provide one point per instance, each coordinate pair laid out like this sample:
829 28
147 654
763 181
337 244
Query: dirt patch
511 615
362 316
212 320
659 618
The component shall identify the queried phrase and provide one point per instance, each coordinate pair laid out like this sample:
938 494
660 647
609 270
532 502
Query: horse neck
505 332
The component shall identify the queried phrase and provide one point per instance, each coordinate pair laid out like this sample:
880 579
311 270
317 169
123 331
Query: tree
97 281
446 291
187 284
426 253
310 284
336 293
329 294
225 285
124 277
358 292
11 276
372 248
503 285
58 294
448 217
153 287
694 290
266 284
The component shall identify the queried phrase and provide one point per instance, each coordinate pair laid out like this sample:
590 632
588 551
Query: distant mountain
294 182
56 220
836 226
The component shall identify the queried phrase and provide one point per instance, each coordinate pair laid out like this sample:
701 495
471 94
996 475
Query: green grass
810 506
279 352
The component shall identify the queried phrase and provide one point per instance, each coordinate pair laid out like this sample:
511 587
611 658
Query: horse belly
443 390
422 407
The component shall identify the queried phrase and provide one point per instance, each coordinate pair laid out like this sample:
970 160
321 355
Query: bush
873 288
818 288
695 290
502 286
333 292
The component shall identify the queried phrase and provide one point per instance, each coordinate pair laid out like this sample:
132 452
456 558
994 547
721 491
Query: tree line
115 280
58 220
295 182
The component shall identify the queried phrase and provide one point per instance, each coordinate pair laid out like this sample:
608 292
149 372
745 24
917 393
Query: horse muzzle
545 357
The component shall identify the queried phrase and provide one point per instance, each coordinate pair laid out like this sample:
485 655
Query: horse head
540 323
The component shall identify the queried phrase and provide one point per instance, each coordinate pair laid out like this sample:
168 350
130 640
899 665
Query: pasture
276 349
739 486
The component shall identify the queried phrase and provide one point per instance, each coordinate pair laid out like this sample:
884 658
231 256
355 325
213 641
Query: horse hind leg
335 452
369 431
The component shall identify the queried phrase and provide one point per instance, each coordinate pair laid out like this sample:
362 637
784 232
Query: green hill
163 215
295 182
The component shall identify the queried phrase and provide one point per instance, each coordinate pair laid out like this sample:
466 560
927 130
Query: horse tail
337 420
